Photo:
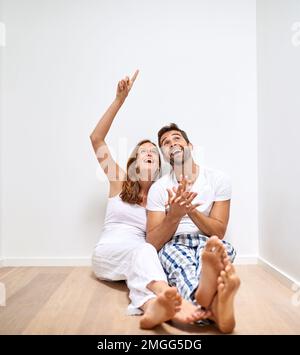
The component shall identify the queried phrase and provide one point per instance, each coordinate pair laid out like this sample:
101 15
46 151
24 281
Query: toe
214 237
221 287
219 249
226 261
232 270
178 297
222 273
211 243
171 293
178 300
224 278
228 268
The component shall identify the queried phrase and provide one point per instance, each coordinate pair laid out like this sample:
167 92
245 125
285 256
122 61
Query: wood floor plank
64 310
25 303
264 305
4 270
17 278
72 301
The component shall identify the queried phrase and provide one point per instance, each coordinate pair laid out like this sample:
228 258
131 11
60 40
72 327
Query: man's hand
124 86
180 200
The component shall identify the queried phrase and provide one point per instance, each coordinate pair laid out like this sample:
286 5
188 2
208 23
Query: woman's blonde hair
131 188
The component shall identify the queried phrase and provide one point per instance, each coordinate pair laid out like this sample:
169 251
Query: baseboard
80 261
1 262
283 277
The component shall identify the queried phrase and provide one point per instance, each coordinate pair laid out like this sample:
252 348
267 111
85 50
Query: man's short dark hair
171 127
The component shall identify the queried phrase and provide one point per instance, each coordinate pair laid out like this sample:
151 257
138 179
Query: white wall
197 62
278 133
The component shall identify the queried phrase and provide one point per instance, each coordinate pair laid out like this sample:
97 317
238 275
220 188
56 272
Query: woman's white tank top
123 220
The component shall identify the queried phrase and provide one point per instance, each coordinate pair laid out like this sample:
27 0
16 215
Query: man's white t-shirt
211 185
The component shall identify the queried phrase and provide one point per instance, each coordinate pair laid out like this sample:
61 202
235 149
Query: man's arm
160 228
217 221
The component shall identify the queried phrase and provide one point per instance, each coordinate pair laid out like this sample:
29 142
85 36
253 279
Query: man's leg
179 263
210 254
178 258
223 303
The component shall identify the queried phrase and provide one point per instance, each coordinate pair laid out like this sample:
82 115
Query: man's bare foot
212 264
161 309
223 304
189 313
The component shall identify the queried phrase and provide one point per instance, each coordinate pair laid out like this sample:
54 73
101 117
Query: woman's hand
124 86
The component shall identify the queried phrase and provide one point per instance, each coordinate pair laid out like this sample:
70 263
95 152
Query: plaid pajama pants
181 261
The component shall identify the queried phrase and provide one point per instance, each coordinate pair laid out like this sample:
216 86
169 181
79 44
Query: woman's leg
158 287
136 262
145 277
109 261
139 265
188 312
160 309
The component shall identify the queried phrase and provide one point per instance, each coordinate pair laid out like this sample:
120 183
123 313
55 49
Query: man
188 235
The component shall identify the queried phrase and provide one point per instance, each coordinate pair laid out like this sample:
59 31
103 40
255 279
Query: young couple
163 235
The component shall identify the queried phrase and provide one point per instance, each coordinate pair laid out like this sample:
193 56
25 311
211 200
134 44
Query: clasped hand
180 199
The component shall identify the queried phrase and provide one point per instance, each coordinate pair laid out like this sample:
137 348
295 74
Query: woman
122 252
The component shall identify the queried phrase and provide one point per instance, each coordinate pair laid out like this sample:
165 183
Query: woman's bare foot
161 309
223 304
212 264
189 313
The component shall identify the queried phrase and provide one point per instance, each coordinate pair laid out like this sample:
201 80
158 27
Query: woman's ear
191 146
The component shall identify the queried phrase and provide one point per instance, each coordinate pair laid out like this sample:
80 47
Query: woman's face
147 161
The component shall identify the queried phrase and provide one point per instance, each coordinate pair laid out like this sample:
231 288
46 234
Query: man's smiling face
175 148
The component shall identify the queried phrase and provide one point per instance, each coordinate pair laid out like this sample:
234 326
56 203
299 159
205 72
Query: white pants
134 261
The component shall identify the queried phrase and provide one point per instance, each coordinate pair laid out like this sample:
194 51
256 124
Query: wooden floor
69 300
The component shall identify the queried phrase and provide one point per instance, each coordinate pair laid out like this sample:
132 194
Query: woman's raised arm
113 171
